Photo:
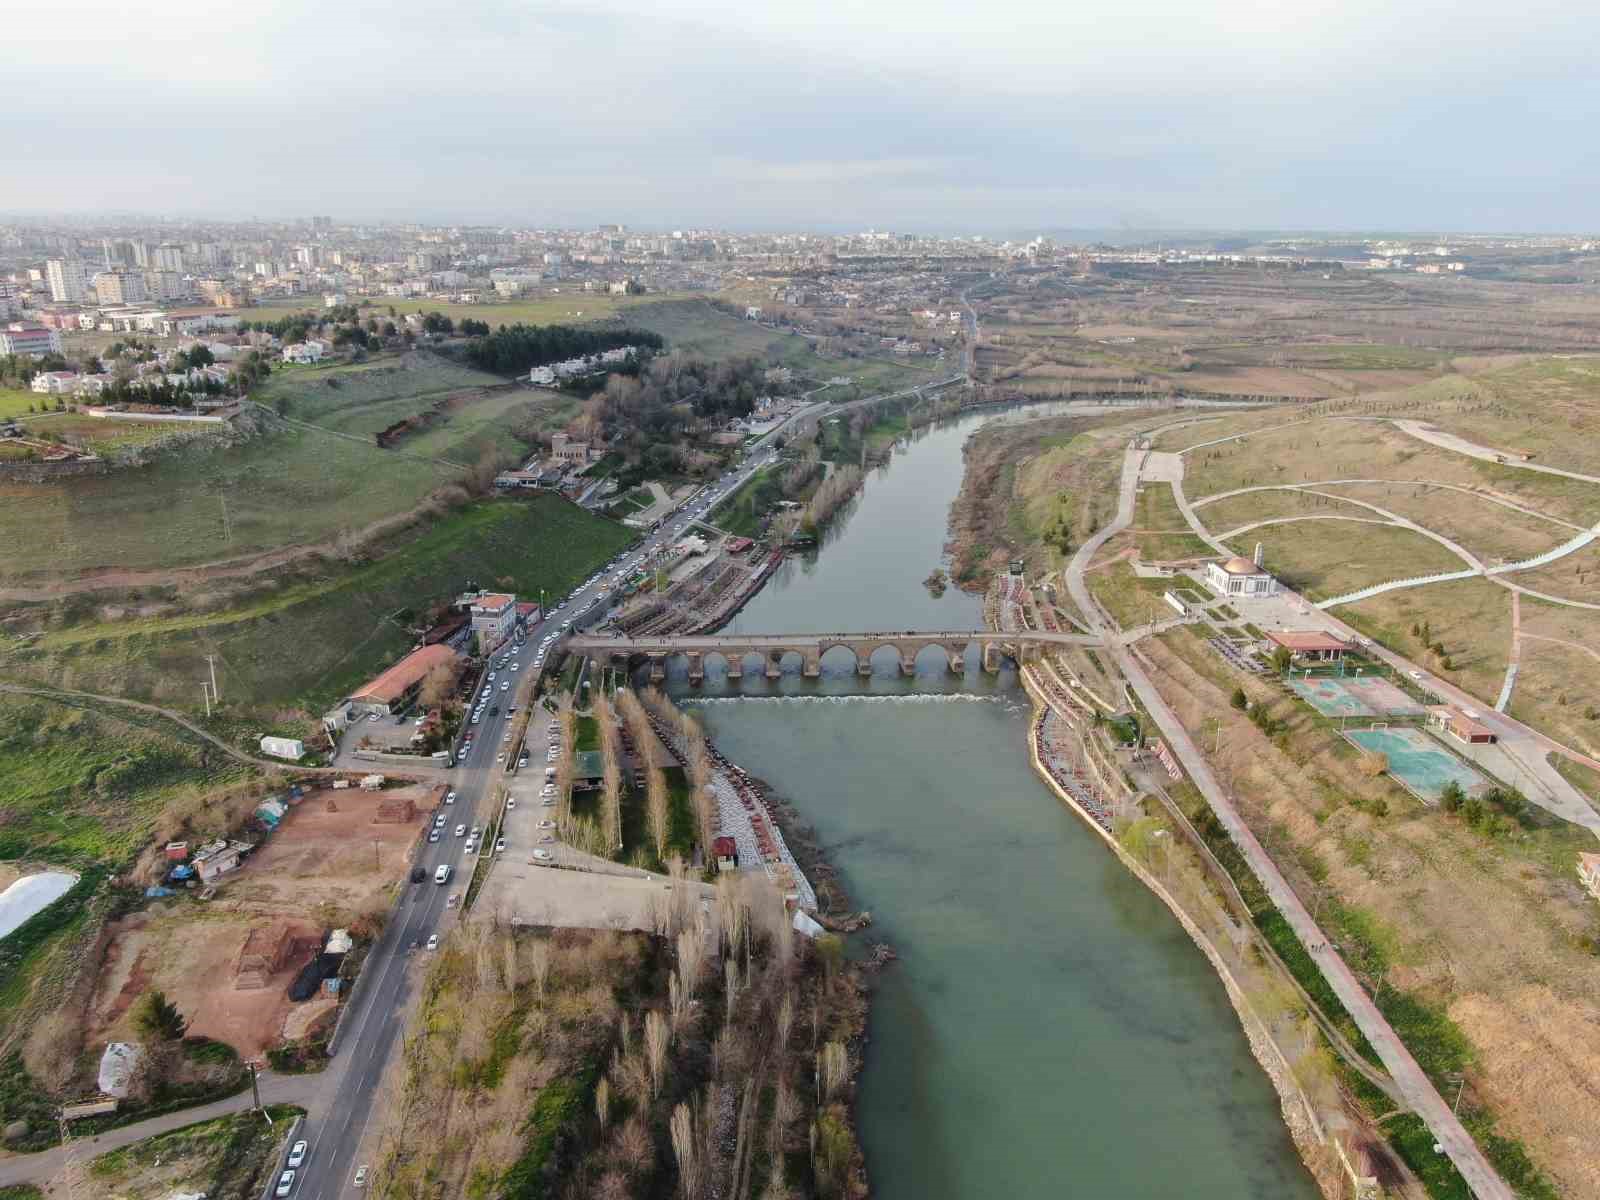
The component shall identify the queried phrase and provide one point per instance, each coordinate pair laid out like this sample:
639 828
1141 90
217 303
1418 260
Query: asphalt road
338 1119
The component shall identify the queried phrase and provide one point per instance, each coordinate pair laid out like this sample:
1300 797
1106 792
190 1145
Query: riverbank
1310 1118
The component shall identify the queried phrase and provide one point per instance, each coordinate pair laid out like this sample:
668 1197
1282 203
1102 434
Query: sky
914 115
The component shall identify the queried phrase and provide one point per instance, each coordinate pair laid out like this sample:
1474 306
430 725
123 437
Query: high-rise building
167 257
10 305
165 285
117 252
69 283
141 255
120 287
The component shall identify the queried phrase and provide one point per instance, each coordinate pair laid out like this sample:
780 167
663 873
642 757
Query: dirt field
1471 617
320 870
1491 531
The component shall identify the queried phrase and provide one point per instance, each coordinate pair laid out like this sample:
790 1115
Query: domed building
1240 577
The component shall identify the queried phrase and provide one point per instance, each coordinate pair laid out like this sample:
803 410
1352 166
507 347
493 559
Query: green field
16 401
306 641
103 436
568 307
288 487
366 397
84 784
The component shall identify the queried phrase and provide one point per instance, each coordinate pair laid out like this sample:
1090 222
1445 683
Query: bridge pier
813 664
863 665
697 667
908 664
958 663
774 669
735 666
991 657
658 667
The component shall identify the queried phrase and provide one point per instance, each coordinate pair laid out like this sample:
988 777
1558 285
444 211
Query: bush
1239 700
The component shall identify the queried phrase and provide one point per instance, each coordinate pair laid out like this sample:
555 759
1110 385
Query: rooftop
400 678
1242 566
1306 641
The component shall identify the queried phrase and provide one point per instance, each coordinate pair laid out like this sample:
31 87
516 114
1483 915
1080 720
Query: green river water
1048 1030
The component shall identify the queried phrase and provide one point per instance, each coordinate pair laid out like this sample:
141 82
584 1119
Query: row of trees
512 349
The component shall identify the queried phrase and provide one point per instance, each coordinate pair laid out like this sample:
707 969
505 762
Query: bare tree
659 809
686 1147
539 964
833 1070
785 1020
602 1102
657 1041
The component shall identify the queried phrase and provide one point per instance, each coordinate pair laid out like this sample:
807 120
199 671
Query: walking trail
1409 1078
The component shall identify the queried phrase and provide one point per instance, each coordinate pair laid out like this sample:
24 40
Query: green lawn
366 397
307 640
16 401
284 488
83 785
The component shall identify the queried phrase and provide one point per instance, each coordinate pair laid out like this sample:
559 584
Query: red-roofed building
726 851
494 614
1309 643
1463 726
398 686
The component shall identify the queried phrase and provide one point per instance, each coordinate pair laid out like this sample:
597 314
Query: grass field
287 487
15 402
304 642
1245 509
104 436
83 784
1328 558
1470 617
1130 600
575 307
1160 529
366 397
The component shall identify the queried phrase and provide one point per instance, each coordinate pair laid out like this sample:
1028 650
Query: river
1049 1030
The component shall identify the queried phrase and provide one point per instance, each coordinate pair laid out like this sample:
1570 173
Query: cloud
896 114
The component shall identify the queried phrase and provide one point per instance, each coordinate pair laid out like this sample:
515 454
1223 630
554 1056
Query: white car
501 757
547 824
500 846
511 802
449 798
285 1184
438 820
461 831
542 856
297 1153
361 1176
505 685
433 941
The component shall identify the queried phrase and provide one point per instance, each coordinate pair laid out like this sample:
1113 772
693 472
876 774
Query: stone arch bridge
771 649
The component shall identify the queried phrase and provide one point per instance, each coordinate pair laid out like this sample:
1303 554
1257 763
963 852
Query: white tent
117 1066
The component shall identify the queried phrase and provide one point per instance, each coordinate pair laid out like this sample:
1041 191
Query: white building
493 616
54 383
304 352
69 282
1240 577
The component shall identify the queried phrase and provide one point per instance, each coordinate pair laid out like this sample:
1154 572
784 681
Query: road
1409 1078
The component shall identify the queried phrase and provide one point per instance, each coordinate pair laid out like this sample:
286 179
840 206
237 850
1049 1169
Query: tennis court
1421 765
1354 696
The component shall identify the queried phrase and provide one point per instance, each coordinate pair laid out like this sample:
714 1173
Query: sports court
1421 765
1354 696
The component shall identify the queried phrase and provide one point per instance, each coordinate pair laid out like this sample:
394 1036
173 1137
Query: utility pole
212 661
205 692
255 1085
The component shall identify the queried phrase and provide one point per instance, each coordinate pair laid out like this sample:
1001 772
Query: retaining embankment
1308 1132
49 472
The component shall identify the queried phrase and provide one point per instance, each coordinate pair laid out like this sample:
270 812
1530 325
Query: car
547 824
360 1179
505 685
548 802
495 711
511 802
433 835
470 848
433 941
501 757
549 837
523 761
461 831
477 720
438 820
297 1153
450 796
442 875
512 711
500 845
420 719
542 856
476 830
285 1184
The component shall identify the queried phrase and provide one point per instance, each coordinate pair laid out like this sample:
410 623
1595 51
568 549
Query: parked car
285 1184
433 941
450 797
438 820
543 855
360 1179
297 1153
500 846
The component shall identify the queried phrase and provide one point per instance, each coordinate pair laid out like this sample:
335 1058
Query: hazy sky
956 115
